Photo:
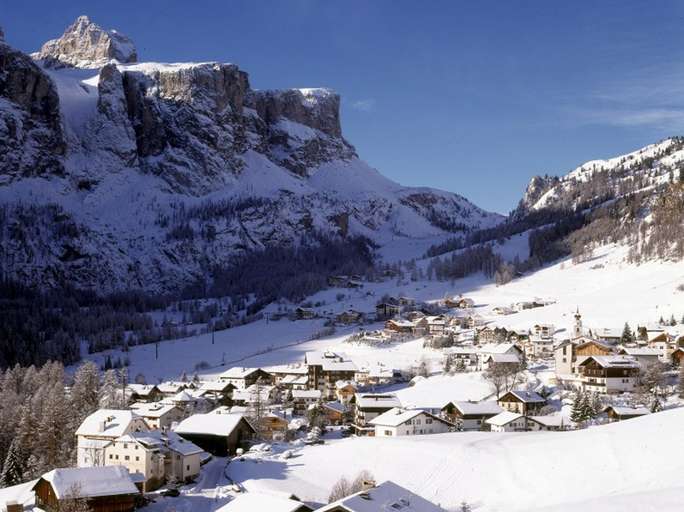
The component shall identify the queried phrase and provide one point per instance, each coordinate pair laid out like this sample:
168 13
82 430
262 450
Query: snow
497 472
503 418
106 423
91 482
212 423
395 417
257 501
437 391
386 496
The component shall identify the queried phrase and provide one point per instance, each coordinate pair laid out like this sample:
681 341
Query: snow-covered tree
12 469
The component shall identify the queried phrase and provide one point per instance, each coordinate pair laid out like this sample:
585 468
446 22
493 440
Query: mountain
117 175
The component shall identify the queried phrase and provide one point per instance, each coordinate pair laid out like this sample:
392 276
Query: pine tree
627 335
12 471
85 392
587 410
577 412
109 392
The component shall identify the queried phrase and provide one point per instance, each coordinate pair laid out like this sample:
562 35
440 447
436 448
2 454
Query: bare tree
343 488
73 501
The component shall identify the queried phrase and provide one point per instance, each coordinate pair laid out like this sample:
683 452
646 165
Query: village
173 436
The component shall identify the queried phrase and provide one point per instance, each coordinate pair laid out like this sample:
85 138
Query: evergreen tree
12 471
577 413
110 392
627 335
85 392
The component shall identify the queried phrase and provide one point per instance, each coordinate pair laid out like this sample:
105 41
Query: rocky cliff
145 175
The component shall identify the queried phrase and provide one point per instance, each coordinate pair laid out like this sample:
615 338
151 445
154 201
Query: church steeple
577 329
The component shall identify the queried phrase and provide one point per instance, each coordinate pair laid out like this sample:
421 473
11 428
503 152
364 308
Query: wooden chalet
104 488
616 413
678 357
609 374
304 313
218 432
387 310
522 402
399 325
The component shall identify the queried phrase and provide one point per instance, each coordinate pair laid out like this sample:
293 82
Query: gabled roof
259 501
213 424
503 418
628 411
215 386
503 358
163 440
335 406
238 372
153 409
640 351
330 361
370 401
612 361
398 416
312 394
488 407
170 387
107 423
528 397
91 482
552 420
142 389
387 496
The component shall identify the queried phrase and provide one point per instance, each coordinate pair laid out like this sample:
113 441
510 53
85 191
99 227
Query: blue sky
472 97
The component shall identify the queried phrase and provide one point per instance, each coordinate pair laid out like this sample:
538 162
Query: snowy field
633 465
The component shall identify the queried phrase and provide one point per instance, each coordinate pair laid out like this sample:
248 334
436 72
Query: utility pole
212 333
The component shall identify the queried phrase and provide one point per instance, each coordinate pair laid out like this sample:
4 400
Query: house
242 377
544 331
171 388
304 313
609 374
335 412
615 413
609 335
470 416
489 334
101 428
188 401
105 489
386 310
256 501
143 393
539 346
386 496
465 356
409 422
662 341
345 390
645 356
568 354
553 423
217 391
158 415
255 393
399 325
155 457
325 369
368 406
273 426
503 310
678 357
510 360
292 382
289 376
217 432
375 375
484 351
522 402
349 317
459 302
507 421
304 398
430 325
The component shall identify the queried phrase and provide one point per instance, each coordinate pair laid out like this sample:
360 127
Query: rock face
86 44
31 137
153 174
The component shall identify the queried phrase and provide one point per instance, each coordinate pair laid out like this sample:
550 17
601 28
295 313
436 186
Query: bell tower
577 330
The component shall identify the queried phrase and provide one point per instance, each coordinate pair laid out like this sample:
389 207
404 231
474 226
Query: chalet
256 393
510 360
188 401
387 310
218 391
611 336
645 356
171 388
368 406
409 422
155 457
158 415
615 413
503 310
287 372
345 390
375 375
522 402
544 331
466 356
459 302
472 321
507 421
274 426
218 432
470 416
518 335
399 325
242 377
335 412
292 382
325 369
304 313
609 374
349 317
484 351
568 354
258 501
490 334
101 428
553 423
105 489
662 341
386 496
406 301
304 398
678 357
143 393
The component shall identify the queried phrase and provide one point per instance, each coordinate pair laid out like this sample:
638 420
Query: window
117 457
127 457
125 446
187 468
428 421
111 456
137 459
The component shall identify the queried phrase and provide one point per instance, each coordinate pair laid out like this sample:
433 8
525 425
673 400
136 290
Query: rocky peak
86 44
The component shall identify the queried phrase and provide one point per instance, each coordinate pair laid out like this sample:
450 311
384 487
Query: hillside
117 174
601 468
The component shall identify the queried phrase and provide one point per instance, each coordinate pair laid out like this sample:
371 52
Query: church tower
577 330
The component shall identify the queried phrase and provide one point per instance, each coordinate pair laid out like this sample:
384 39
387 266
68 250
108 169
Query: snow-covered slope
144 175
633 464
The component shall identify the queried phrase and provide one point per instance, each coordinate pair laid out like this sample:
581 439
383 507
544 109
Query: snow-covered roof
142 389
527 396
503 418
641 351
254 501
612 361
628 411
295 380
496 348
370 401
170 387
330 361
288 369
335 406
213 424
238 372
216 386
311 394
345 383
552 420
162 440
503 358
478 408
111 423
152 409
183 396
386 496
398 416
91 482
400 322
251 393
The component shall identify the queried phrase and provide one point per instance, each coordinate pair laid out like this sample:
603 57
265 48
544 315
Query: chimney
101 426
367 485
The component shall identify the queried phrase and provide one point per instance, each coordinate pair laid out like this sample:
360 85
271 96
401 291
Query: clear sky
471 97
